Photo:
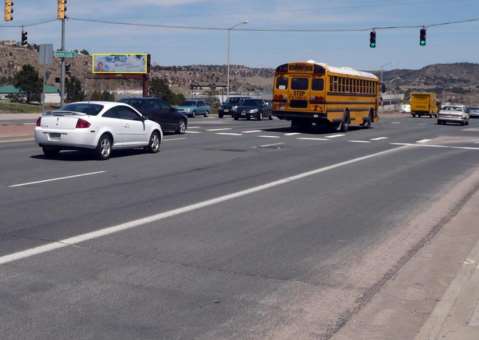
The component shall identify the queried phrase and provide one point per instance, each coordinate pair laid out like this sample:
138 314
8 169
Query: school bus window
282 83
318 84
355 86
299 83
341 84
336 84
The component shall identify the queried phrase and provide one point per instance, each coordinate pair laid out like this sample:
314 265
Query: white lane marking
422 141
16 140
56 179
270 145
252 131
292 133
75 240
194 127
29 123
313 138
228 134
359 141
335 136
268 136
192 132
436 146
379 138
174 139
222 129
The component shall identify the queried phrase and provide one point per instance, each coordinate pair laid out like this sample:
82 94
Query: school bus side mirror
383 88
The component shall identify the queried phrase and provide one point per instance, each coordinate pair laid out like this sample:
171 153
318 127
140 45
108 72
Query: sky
395 48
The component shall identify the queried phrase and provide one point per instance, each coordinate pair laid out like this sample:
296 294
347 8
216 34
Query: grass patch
6 107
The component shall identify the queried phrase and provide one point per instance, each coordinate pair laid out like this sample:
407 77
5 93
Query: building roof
10 89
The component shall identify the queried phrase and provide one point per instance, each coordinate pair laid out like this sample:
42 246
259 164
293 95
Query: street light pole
228 55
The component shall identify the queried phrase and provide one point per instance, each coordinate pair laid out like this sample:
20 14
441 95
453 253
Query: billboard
120 63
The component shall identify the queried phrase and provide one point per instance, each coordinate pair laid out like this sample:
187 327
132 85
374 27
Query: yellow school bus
310 92
424 103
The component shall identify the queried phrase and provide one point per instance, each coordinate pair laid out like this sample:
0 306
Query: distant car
253 108
405 108
193 108
230 105
473 111
453 114
97 126
161 112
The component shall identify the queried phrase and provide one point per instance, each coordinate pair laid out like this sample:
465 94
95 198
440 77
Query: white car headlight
235 107
253 111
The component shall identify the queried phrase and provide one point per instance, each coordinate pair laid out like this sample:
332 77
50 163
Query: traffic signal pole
62 70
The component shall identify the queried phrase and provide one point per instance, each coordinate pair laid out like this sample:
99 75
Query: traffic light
8 12
422 37
24 38
68 69
372 39
62 9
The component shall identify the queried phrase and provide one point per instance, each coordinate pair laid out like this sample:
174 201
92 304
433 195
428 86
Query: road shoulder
419 301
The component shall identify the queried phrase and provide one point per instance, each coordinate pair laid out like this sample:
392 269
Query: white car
453 114
97 126
473 111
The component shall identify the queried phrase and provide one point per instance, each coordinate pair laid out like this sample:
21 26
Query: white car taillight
82 124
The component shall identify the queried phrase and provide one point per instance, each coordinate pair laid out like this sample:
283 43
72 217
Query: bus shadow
316 130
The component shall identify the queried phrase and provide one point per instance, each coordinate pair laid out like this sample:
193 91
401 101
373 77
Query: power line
38 23
253 29
281 30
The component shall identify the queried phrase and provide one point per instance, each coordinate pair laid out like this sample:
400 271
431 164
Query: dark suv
253 108
161 112
229 106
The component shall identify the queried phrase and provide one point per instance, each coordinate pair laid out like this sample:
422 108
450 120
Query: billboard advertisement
120 63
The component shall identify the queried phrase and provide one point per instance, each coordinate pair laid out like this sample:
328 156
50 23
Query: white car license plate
226 110
55 135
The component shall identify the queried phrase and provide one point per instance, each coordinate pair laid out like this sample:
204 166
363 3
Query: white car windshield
453 108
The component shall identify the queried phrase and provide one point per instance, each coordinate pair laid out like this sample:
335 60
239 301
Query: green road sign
65 54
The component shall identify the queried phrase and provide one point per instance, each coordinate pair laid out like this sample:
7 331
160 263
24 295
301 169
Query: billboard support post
146 79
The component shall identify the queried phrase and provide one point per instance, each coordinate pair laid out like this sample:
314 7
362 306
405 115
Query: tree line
30 84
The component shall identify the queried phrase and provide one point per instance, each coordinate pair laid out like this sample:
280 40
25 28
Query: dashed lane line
379 138
436 146
268 136
229 134
313 139
359 141
56 179
174 139
222 129
252 131
335 136
292 133
270 145
422 141
193 132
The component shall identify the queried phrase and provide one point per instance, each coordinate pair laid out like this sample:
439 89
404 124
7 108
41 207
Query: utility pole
62 71
228 55
61 15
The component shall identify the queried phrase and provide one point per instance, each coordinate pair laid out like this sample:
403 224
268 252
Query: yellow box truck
424 104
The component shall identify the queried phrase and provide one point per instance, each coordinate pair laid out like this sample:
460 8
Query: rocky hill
452 82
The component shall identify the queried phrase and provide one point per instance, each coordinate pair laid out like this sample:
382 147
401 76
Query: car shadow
85 156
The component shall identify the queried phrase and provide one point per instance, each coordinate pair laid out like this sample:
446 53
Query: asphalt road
235 230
